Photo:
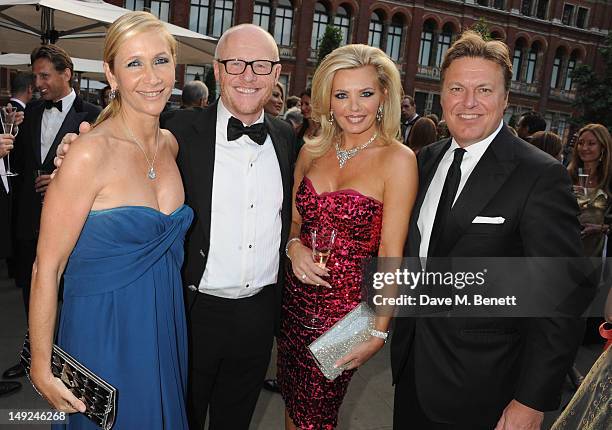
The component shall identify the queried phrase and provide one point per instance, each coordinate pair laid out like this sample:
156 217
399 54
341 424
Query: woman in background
276 104
356 178
592 156
424 132
548 142
114 218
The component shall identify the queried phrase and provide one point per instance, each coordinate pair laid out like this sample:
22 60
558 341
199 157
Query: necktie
51 104
449 191
257 132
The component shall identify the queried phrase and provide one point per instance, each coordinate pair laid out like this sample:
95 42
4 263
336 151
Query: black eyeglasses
259 67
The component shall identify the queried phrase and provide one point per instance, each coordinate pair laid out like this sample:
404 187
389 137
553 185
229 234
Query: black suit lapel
491 172
202 164
70 125
281 147
428 161
35 130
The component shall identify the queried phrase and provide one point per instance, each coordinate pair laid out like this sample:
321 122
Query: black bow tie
257 132
51 104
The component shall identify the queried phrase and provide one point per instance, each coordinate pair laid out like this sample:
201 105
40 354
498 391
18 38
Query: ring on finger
304 276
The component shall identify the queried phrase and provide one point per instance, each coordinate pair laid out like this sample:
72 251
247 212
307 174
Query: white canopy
22 61
79 26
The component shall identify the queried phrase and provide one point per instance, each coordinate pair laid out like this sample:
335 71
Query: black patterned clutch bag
98 395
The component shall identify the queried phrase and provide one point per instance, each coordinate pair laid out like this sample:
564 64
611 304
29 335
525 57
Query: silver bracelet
289 244
380 334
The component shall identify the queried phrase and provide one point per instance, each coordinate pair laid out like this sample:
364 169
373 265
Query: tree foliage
482 27
594 93
332 38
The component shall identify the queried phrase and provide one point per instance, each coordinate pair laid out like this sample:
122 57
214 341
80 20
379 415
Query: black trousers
25 254
407 411
230 342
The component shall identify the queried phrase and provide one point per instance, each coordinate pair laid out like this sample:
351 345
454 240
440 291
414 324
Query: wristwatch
380 334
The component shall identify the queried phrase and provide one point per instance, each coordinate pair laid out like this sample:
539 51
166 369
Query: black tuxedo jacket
472 367
195 131
27 157
5 220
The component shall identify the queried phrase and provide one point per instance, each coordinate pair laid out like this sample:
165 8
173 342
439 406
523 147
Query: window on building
342 20
284 80
517 60
261 14
568 14
581 17
532 60
483 2
376 30
571 65
319 23
426 44
444 42
556 69
498 4
526 7
283 23
223 16
193 73
542 9
394 38
159 8
198 16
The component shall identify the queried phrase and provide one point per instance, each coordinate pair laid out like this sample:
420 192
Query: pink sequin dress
312 400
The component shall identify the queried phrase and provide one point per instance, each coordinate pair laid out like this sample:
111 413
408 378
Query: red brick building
547 38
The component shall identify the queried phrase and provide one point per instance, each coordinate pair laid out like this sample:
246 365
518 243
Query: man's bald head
245 93
245 31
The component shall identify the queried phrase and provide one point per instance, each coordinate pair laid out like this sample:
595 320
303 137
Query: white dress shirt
245 225
472 156
51 123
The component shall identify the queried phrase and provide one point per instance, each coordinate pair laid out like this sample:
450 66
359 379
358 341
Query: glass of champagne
7 118
583 180
322 243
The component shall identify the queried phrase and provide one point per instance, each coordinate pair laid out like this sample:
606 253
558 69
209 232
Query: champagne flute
322 243
583 180
7 118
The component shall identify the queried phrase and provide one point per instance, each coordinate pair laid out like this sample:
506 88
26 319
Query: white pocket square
489 220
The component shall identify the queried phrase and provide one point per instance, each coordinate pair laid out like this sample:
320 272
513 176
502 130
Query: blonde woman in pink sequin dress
355 178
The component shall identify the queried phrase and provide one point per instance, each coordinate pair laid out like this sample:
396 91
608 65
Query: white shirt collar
13 99
477 149
68 100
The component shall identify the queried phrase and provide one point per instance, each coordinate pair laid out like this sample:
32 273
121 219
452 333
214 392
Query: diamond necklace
151 173
345 155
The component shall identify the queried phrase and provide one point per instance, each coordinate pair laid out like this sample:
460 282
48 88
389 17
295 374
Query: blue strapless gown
123 314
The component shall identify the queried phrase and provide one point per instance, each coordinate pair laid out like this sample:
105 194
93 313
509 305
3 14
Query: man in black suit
22 88
409 117
237 169
476 373
46 121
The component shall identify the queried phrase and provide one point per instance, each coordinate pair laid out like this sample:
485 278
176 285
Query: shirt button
251 165
251 206
247 285
250 246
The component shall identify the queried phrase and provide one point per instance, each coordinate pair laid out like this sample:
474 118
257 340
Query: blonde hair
602 135
125 27
354 57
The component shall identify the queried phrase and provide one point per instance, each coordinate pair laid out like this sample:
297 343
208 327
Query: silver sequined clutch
336 342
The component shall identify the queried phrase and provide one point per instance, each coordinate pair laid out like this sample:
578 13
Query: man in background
22 88
195 95
530 123
409 117
59 111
